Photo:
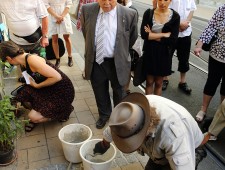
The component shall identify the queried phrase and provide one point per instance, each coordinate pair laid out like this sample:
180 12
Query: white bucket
72 137
98 162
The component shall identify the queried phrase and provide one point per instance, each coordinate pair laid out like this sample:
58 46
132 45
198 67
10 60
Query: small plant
10 126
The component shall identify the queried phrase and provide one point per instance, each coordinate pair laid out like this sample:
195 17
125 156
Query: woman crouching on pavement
50 92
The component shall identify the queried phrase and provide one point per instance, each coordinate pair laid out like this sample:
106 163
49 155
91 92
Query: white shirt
183 7
23 17
110 19
175 138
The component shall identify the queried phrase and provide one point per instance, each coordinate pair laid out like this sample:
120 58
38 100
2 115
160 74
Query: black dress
157 54
53 101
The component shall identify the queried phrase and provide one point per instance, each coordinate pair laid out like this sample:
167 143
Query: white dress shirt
110 20
23 17
183 7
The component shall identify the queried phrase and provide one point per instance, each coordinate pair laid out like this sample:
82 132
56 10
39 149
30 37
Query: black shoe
70 61
101 123
184 87
204 125
57 63
165 84
200 154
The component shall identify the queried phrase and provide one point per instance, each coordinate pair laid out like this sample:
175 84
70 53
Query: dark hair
9 48
122 2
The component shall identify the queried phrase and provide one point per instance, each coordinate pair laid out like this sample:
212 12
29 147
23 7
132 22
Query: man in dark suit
107 53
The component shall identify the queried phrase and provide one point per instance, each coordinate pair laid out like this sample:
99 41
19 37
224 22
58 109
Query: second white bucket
98 162
72 137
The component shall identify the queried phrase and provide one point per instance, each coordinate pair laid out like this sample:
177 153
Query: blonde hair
154 120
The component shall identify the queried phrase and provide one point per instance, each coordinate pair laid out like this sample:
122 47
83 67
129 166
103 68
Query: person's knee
66 38
55 39
34 116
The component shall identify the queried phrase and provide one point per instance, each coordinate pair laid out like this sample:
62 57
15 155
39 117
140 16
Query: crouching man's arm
102 146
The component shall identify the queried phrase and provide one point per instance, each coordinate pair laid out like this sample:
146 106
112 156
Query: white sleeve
41 10
107 134
69 3
193 5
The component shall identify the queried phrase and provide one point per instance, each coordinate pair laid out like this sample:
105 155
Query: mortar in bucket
72 137
96 162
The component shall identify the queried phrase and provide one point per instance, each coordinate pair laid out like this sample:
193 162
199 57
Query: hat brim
132 143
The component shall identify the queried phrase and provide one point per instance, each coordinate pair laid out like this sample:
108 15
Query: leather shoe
70 61
101 123
184 87
165 84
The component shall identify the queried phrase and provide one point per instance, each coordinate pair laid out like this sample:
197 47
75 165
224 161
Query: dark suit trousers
100 78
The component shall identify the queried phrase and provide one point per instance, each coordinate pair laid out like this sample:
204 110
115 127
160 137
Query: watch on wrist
44 36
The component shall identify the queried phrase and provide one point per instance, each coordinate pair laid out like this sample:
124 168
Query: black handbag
139 72
134 58
206 47
50 55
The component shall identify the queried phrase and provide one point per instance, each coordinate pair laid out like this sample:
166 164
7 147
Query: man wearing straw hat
158 127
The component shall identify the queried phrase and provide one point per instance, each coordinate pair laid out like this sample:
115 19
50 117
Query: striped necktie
99 40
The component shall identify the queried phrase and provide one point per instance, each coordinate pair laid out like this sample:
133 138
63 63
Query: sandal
30 126
200 116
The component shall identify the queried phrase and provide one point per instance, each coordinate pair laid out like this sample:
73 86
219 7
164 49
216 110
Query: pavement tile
15 166
38 154
142 159
31 141
116 168
38 129
85 88
22 167
58 160
93 109
96 131
85 117
91 101
97 137
121 161
54 147
22 156
84 95
39 164
71 120
80 105
73 114
77 77
131 158
134 166
52 129
82 83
